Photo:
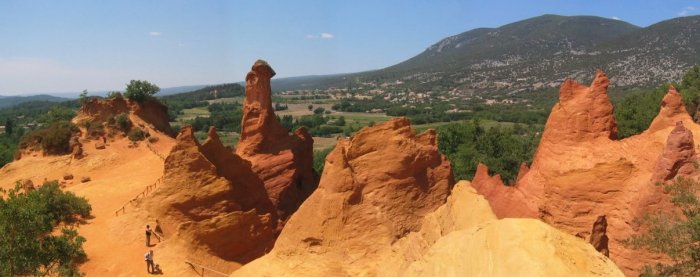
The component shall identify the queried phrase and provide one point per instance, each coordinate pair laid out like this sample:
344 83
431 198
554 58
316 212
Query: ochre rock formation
375 189
522 171
283 162
76 148
150 112
672 111
153 113
599 237
96 109
383 208
580 170
583 113
512 247
678 155
210 208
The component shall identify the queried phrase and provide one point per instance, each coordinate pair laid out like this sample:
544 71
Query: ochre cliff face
153 113
223 214
580 171
283 162
150 112
101 109
386 206
375 189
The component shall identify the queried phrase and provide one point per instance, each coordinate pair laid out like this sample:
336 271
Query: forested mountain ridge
9 101
538 53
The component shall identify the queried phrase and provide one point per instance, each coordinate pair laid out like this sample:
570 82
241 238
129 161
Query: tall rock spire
283 161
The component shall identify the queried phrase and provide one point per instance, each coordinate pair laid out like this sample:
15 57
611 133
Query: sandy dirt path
115 246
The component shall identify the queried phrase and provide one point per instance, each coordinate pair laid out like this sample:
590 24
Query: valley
548 146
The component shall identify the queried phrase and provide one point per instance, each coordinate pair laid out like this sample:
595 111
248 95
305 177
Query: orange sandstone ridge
150 113
226 208
386 206
580 171
211 200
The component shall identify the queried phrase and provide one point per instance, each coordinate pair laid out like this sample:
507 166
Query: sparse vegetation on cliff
29 246
635 112
320 159
53 140
673 234
136 134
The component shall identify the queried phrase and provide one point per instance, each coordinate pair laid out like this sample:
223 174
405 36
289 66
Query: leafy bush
636 111
138 90
136 134
28 243
57 113
114 94
95 129
502 149
54 140
123 122
320 159
340 121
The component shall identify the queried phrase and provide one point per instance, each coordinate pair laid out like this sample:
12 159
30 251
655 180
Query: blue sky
68 46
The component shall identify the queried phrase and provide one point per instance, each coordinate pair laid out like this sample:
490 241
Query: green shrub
95 129
320 159
152 139
123 122
502 149
138 90
54 140
136 134
673 234
29 245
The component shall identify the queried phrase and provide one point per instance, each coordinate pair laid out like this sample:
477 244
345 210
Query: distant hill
537 53
208 93
9 101
181 89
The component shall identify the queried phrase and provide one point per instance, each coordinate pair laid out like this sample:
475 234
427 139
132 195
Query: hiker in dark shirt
148 235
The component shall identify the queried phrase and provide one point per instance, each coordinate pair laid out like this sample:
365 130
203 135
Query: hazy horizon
99 46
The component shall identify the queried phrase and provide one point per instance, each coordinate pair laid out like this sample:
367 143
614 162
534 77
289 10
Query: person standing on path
149 261
148 235
158 231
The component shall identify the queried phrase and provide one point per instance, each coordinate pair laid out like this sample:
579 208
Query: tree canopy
28 243
139 90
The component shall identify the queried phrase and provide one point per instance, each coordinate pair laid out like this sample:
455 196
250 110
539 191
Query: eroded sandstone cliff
386 207
580 170
283 162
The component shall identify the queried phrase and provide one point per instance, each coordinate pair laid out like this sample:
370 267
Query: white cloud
616 18
686 11
321 36
154 34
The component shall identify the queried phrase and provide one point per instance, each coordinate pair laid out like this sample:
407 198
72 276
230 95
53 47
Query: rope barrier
148 145
142 194
193 264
